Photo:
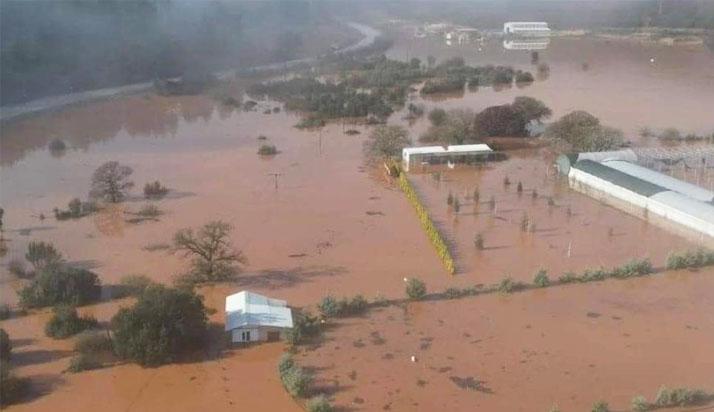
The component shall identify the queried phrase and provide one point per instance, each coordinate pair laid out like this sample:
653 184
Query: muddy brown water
335 226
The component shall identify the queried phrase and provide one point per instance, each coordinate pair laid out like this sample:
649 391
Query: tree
111 182
65 322
437 117
214 257
581 131
42 255
531 109
163 324
501 121
55 285
387 141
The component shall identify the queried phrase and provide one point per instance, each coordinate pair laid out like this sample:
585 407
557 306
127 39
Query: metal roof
624 154
462 148
245 309
619 178
679 186
700 210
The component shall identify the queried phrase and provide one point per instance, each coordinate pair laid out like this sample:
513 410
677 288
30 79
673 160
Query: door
245 336
273 336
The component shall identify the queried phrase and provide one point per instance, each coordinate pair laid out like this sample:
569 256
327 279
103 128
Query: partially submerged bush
58 285
267 150
508 285
149 211
635 267
640 404
57 145
541 279
93 342
75 209
319 403
42 255
132 285
331 307
668 398
296 380
155 190
83 362
600 406
478 241
305 327
163 324
65 322
415 289
568 277
690 259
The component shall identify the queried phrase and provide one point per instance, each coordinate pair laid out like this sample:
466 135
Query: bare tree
111 182
214 257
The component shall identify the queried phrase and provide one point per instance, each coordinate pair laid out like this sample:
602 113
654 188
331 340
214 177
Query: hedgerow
428 225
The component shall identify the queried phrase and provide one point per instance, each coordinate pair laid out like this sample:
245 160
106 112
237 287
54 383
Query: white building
611 177
251 317
526 28
464 153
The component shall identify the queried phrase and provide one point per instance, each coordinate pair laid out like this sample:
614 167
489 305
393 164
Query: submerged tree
581 131
42 255
111 182
214 257
387 141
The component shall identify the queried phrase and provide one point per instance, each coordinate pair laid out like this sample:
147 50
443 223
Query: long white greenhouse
612 178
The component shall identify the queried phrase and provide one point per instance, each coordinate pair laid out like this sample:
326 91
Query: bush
453 293
155 190
568 277
149 211
61 285
267 150
17 268
437 117
668 398
93 342
632 268
163 324
12 388
640 404
591 275
5 311
508 285
133 285
296 381
65 322
690 259
330 307
319 403
286 363
5 346
600 406
416 289
83 362
57 145
42 255
524 77
305 326
541 279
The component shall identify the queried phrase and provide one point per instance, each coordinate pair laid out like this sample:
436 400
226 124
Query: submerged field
336 226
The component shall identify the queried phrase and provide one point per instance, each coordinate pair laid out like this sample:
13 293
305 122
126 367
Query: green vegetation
75 209
5 311
12 388
83 362
305 327
330 307
213 256
65 322
267 150
690 259
110 182
295 379
155 190
478 241
582 132
541 279
5 346
386 142
508 285
319 403
132 285
674 134
669 398
93 342
639 404
163 324
149 211
57 285
600 406
427 224
43 255
310 122
57 145
437 117
415 289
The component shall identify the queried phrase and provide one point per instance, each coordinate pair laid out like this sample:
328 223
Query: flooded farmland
317 219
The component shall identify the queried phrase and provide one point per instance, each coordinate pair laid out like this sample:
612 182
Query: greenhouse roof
619 178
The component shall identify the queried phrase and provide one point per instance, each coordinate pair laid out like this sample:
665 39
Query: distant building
534 43
526 28
251 317
465 153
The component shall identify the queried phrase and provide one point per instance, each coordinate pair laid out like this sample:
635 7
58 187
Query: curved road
53 102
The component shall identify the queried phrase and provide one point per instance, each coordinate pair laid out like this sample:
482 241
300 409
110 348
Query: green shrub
640 404
83 362
591 275
42 255
428 225
155 190
12 388
568 277
541 279
57 285
416 289
65 322
600 406
524 77
690 259
163 324
328 307
57 145
5 346
437 116
92 342
305 326
453 293
149 211
319 403
5 311
668 398
286 363
267 150
133 285
508 285
632 268
297 381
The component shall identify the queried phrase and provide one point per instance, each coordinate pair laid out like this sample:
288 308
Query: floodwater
567 346
334 225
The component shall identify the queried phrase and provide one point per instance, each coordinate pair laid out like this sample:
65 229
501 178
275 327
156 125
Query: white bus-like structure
526 28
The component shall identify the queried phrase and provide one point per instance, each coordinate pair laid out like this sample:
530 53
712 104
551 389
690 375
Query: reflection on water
137 116
526 43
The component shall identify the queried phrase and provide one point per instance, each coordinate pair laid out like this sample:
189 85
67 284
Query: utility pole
275 176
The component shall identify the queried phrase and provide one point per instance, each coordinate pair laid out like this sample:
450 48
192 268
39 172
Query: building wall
646 207
259 334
